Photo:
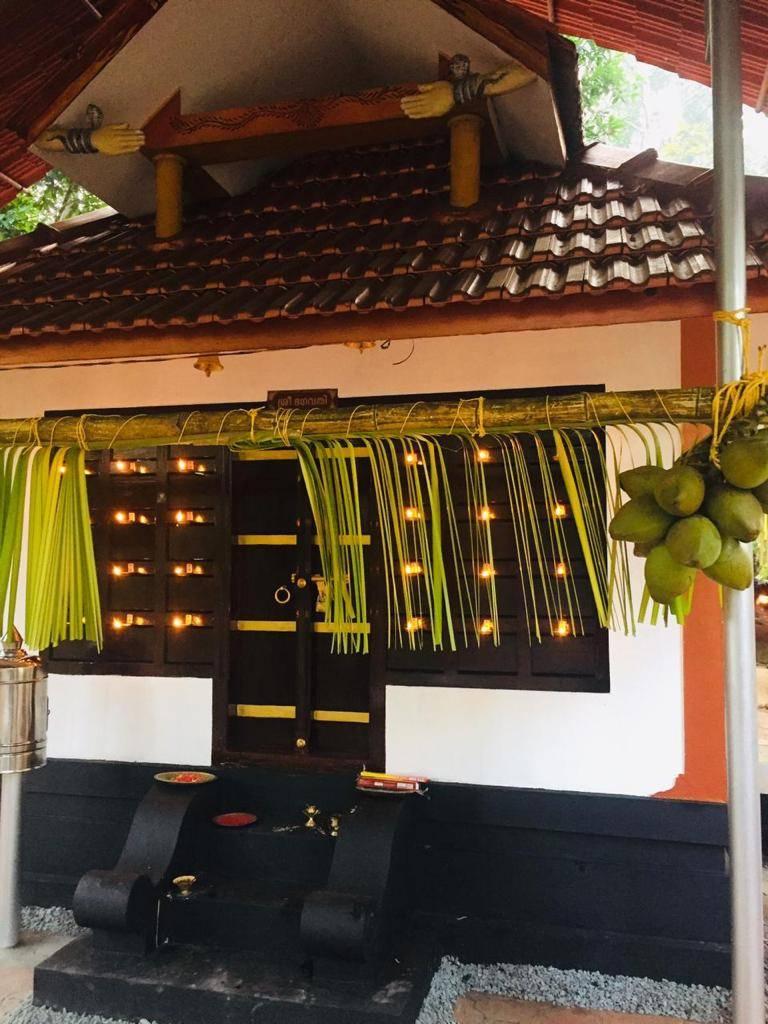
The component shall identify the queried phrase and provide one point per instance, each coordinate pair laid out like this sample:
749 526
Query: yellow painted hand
109 139
117 139
432 100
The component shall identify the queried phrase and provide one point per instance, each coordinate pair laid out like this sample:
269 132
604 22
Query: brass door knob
301 743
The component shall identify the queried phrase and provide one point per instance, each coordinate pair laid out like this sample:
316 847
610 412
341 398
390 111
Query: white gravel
54 920
587 989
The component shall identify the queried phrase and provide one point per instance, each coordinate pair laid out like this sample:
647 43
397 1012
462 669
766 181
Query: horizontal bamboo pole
580 410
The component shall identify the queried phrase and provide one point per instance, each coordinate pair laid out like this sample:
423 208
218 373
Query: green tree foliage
611 93
54 198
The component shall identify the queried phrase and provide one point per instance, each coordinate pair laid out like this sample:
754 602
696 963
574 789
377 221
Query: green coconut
694 541
734 566
639 481
640 521
665 578
734 512
680 490
761 493
744 462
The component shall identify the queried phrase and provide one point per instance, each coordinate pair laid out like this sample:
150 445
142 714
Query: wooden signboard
320 398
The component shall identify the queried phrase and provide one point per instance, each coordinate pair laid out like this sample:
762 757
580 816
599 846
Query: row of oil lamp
135 467
178 517
121 570
485 627
485 513
415 624
182 517
485 572
177 621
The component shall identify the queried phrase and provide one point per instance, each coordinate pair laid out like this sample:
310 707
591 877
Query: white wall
627 741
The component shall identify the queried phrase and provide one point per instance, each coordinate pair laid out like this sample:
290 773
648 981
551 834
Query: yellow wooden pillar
466 132
169 183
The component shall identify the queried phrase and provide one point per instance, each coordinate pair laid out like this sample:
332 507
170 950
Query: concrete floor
476 1008
17 965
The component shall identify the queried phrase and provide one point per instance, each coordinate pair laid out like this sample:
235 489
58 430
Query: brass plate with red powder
184 778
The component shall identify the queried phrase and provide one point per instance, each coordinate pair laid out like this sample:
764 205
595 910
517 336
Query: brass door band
349 627
256 539
263 625
289 539
287 454
288 711
289 626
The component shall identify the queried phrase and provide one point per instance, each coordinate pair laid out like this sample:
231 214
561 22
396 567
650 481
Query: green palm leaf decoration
434 532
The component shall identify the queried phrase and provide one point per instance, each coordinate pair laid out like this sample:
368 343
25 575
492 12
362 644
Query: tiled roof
45 45
668 33
362 230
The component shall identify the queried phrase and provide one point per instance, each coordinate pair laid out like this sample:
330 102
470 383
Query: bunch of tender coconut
694 517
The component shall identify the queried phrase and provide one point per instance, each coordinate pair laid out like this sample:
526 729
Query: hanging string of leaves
434 525
62 592
14 463
438 563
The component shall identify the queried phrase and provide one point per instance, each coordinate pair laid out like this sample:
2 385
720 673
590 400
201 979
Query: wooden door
289 695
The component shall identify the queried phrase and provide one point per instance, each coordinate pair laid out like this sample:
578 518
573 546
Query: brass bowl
185 778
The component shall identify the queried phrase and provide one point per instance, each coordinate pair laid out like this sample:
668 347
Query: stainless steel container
23 709
23 729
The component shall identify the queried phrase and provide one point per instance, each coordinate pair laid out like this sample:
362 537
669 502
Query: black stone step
275 849
261 916
200 985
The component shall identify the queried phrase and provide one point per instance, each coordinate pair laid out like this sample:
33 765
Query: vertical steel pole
10 830
740 660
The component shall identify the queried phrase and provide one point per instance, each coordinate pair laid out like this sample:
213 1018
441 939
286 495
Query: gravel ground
587 989
54 920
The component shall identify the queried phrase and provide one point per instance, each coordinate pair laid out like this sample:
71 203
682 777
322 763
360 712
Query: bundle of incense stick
388 783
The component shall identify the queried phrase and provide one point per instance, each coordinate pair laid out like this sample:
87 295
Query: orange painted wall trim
704 774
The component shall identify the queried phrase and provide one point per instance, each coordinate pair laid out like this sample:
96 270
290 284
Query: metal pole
740 660
10 830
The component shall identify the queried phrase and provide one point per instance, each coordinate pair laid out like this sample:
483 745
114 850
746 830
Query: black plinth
199 985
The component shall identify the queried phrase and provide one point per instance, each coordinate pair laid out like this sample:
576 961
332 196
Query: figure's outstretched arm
436 99
109 139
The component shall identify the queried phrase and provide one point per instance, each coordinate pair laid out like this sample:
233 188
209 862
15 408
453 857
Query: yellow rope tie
620 404
80 432
737 399
304 422
481 416
351 417
184 426
415 406
61 419
120 429
219 432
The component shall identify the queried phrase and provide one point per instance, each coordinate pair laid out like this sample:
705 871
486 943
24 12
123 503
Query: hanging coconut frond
14 463
62 592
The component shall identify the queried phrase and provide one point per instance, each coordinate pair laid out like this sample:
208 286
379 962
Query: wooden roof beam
289 128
